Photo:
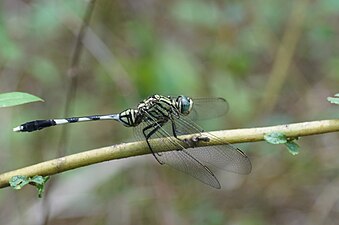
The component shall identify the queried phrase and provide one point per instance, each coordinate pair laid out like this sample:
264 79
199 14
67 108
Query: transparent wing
208 108
193 161
181 159
223 156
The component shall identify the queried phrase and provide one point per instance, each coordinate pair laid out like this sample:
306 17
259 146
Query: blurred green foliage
134 49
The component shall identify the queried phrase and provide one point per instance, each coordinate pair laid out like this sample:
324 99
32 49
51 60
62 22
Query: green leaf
292 147
39 183
18 182
39 180
333 100
276 138
17 98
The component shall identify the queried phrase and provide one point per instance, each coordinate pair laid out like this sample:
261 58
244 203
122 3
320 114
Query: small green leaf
17 98
39 179
275 138
292 147
18 182
39 182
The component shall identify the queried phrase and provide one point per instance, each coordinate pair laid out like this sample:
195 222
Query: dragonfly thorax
130 117
156 107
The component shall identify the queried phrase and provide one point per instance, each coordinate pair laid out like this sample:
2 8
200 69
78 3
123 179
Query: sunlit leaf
275 138
17 98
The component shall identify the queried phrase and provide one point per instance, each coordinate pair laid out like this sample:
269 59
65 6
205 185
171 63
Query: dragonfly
169 118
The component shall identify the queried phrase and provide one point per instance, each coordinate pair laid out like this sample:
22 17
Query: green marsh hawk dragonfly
168 118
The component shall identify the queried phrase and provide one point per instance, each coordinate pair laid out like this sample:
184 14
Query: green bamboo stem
125 150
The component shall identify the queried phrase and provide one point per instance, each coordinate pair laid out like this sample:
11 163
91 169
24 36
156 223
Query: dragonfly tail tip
17 129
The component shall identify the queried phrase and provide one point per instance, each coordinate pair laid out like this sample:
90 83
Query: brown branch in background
284 55
125 150
97 48
72 73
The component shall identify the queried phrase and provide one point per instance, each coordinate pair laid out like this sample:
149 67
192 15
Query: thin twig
73 72
125 150
284 57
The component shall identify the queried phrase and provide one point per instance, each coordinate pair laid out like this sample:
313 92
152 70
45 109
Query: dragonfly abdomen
41 124
34 125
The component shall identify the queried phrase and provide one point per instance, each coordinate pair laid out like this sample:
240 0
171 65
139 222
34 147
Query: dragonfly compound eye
185 105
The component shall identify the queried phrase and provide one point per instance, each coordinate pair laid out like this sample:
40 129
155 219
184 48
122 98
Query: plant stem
285 53
125 150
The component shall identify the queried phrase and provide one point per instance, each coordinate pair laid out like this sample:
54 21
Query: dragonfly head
184 104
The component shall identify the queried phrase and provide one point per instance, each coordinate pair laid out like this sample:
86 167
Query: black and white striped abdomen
41 124
85 119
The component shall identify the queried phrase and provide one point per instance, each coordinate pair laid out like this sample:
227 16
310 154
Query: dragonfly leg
174 129
156 127
192 141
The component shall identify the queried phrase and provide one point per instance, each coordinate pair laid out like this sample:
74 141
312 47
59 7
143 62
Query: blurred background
274 61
